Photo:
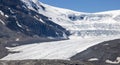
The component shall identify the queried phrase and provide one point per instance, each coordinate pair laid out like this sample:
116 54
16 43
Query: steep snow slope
79 23
55 50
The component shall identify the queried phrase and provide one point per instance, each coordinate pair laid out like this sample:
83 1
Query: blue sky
85 5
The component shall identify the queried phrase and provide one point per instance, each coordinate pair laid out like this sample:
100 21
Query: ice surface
57 49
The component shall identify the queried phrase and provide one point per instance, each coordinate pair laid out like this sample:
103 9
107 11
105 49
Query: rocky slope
105 53
18 23
3 51
44 62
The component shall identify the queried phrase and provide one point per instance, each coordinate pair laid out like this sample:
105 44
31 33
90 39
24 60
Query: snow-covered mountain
77 23
30 21
80 23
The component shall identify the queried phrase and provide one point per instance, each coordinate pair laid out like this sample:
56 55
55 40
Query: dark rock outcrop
108 50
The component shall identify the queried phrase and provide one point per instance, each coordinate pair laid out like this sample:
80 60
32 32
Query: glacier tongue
57 49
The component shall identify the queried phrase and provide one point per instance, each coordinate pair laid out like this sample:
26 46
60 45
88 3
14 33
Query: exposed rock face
43 62
105 52
18 23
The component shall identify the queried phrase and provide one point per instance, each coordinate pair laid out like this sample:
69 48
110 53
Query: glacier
57 49
79 23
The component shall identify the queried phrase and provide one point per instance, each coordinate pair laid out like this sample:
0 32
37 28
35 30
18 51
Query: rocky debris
106 53
43 62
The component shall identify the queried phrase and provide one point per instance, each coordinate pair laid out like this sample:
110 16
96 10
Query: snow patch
35 1
11 10
6 15
117 61
17 39
18 24
93 59
41 20
35 17
2 22
50 37
1 13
